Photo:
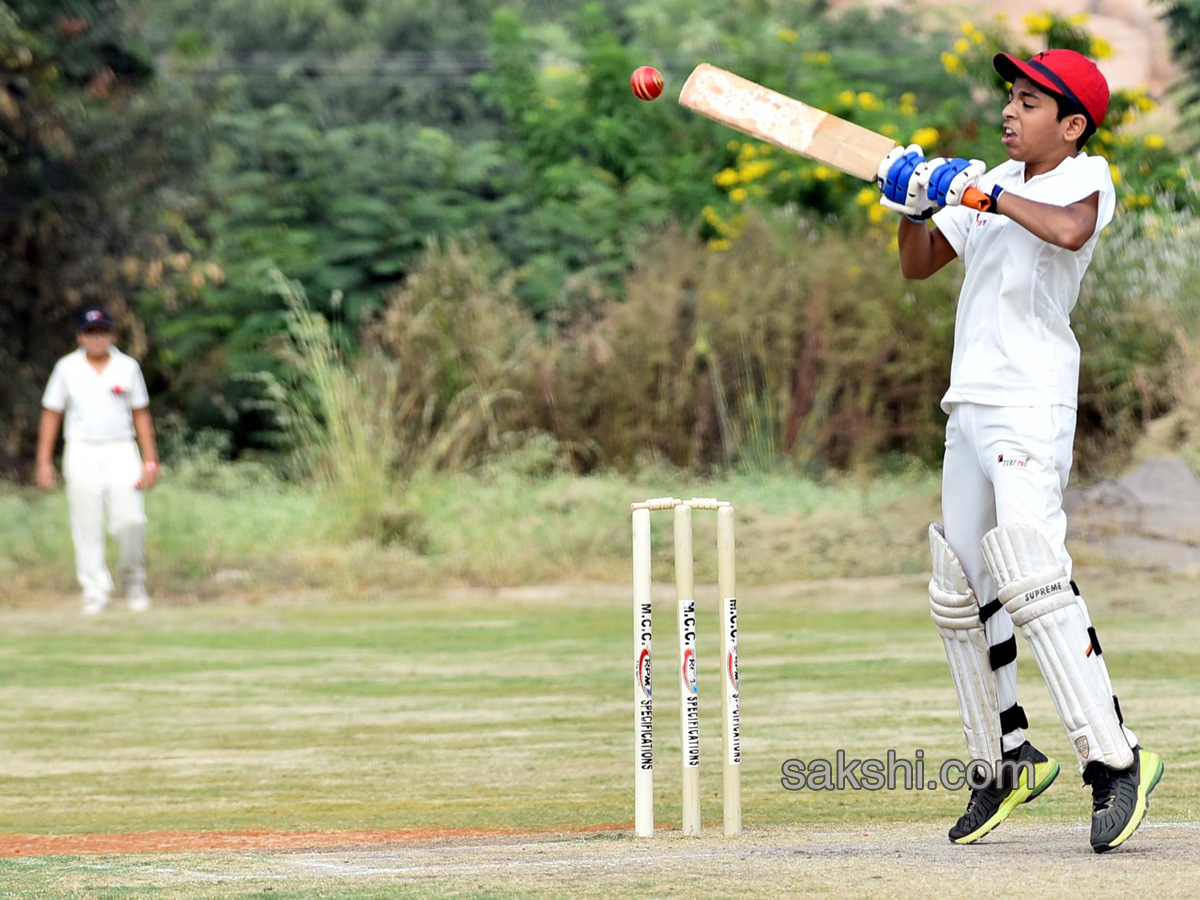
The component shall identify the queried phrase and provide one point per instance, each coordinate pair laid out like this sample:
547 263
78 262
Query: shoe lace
977 795
1104 782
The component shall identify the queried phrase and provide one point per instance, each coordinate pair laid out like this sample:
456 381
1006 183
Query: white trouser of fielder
101 478
1006 466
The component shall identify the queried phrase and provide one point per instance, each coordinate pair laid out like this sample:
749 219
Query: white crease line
436 869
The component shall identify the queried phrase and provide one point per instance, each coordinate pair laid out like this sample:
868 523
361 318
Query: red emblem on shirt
118 390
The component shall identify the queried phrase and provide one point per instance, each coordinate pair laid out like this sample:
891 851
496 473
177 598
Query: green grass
484 709
478 710
251 535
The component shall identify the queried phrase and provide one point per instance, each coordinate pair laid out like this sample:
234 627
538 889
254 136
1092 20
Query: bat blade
785 122
794 126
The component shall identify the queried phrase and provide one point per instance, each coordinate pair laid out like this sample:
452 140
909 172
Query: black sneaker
990 805
1120 797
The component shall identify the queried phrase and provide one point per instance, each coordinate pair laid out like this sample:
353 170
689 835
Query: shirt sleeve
55 396
1090 175
139 397
954 222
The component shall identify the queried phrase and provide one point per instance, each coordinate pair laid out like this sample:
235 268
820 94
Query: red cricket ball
647 82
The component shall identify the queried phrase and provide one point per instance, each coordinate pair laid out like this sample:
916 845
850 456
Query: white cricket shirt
97 406
1013 344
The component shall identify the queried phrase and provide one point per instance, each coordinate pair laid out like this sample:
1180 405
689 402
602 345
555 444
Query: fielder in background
1001 560
101 394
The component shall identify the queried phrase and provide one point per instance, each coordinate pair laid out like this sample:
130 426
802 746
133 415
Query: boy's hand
947 179
902 190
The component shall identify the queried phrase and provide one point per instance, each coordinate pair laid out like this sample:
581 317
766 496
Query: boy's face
96 341
1032 129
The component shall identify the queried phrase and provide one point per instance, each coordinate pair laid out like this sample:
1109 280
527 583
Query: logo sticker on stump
689 670
643 673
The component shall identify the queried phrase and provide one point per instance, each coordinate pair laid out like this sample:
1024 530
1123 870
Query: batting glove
902 191
947 179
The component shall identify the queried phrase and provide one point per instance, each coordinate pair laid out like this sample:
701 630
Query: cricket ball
647 82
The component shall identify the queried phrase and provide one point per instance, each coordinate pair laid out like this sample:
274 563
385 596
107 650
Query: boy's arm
47 437
1069 227
923 250
143 426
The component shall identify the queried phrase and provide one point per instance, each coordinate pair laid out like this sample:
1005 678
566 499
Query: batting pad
1044 605
956 613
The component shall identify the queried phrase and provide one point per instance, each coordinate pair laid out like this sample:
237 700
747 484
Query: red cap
1063 72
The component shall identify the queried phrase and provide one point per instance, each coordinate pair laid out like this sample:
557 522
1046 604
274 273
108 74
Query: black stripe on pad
1003 653
1013 718
986 612
1095 641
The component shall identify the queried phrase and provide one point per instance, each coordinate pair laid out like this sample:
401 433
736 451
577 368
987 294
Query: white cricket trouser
101 477
1005 466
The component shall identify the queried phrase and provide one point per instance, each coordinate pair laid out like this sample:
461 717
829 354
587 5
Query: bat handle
977 199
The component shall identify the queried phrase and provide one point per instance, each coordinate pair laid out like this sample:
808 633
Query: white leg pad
1043 604
956 613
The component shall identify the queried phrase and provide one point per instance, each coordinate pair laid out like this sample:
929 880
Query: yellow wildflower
720 245
788 36
866 197
926 137
847 98
966 27
867 100
1115 172
962 46
1144 200
738 195
876 213
824 173
785 175
1101 49
710 215
952 64
1037 23
733 144
888 129
1145 104
820 57
1154 141
1078 19
726 178
754 170
749 151
977 36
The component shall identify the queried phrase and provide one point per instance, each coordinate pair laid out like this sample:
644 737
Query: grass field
511 709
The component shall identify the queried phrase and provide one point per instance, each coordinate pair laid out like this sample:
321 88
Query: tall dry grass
795 345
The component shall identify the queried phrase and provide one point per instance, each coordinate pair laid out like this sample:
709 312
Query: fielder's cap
95 319
1063 72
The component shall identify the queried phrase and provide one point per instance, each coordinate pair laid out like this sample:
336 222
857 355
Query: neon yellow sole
1044 774
1152 763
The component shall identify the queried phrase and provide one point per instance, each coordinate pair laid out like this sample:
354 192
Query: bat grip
977 199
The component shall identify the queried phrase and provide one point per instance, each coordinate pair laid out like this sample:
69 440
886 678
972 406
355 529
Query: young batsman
1001 560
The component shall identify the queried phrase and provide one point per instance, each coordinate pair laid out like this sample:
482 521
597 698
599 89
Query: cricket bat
793 126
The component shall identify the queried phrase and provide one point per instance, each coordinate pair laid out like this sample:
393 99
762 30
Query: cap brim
1010 69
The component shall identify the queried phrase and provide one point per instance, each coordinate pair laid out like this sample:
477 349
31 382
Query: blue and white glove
902 190
946 180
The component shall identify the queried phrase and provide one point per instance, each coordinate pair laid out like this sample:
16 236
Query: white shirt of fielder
102 469
97 407
1013 344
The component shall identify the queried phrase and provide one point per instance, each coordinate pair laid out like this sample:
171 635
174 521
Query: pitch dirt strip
864 864
30 845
